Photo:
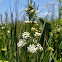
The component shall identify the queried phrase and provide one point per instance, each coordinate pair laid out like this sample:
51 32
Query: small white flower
58 29
25 35
28 21
35 22
37 34
31 11
39 46
22 42
2 27
26 9
8 31
33 29
32 48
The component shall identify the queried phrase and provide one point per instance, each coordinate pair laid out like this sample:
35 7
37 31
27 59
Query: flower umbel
22 42
8 31
25 35
37 34
33 29
3 27
32 48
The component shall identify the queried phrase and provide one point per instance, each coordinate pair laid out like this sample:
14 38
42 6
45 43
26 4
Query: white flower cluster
35 22
33 29
39 46
8 31
26 9
37 34
22 42
34 48
27 22
25 35
32 11
3 27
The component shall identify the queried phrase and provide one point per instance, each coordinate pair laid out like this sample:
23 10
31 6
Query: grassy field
31 40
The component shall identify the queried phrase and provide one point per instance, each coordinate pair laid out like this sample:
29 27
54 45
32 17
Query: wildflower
30 6
39 46
22 42
8 31
25 35
37 34
33 29
26 9
35 22
2 27
58 29
32 48
31 11
36 30
28 21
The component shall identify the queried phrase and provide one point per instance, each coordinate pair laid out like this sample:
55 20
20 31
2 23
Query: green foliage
49 36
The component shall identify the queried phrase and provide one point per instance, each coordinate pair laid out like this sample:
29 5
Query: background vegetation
16 36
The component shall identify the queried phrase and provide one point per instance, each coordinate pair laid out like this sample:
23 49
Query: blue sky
4 6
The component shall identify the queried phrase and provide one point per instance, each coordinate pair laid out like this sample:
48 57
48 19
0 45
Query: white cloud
37 11
45 14
22 9
52 2
0 1
48 13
